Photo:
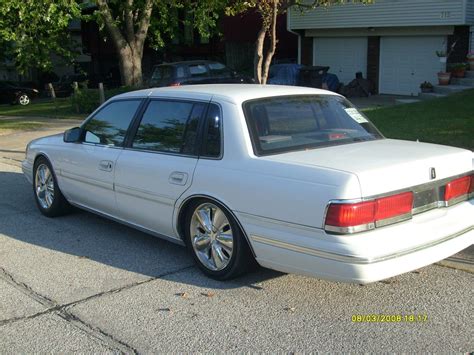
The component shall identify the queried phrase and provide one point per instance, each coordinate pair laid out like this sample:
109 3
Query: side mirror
72 135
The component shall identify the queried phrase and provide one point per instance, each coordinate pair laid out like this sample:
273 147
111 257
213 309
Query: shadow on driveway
88 236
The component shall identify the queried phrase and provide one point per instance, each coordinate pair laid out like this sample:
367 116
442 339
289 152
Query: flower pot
458 73
443 59
444 78
426 90
471 62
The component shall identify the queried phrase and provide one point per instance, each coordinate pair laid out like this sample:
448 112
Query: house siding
385 13
470 12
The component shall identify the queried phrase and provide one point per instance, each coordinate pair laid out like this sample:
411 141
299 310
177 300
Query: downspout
288 28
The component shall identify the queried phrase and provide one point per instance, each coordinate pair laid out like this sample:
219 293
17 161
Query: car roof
188 62
235 93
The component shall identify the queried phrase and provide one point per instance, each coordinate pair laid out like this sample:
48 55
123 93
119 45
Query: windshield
286 123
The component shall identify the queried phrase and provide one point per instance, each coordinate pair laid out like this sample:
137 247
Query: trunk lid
386 165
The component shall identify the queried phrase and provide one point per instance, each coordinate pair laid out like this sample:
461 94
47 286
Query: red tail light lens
175 84
392 206
368 212
458 187
349 215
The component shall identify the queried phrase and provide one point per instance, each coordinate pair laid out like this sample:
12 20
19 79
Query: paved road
82 283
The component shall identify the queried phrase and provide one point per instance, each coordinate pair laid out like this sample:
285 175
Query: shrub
87 100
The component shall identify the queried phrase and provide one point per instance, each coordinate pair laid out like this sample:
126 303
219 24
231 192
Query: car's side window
109 126
211 145
169 126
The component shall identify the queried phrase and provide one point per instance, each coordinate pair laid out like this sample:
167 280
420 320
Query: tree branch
114 31
143 25
129 30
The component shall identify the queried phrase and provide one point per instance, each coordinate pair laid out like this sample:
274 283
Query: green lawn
62 108
448 120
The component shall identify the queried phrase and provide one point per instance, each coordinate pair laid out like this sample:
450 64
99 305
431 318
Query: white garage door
406 62
345 56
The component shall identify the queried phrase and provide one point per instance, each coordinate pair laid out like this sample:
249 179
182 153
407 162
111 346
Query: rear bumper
365 257
348 268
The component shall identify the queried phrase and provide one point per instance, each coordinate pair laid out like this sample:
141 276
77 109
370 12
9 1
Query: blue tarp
288 74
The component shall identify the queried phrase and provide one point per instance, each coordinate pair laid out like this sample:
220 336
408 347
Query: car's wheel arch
184 205
42 154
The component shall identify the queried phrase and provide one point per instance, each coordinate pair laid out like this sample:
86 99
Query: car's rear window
286 123
198 70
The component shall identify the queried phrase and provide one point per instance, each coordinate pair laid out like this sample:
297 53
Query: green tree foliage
32 30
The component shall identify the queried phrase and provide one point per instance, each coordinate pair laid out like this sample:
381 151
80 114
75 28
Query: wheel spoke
217 256
219 220
202 242
226 240
204 219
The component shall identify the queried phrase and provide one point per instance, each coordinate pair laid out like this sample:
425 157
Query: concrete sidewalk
12 152
13 142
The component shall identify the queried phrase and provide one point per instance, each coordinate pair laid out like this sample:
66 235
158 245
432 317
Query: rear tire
48 196
23 99
216 241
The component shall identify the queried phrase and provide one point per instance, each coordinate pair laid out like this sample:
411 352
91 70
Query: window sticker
355 115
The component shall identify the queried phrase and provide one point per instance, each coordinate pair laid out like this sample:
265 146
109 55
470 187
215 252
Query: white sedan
294 179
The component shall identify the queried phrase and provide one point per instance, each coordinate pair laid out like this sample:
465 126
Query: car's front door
158 165
87 168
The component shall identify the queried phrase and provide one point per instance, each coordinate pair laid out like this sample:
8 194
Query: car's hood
386 165
48 140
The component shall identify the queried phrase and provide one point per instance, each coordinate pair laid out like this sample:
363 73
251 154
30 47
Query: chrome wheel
24 100
44 186
211 236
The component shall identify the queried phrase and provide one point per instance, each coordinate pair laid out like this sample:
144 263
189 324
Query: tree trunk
258 59
130 63
273 43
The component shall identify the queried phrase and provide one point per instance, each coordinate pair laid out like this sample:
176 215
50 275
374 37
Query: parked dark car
63 87
194 72
12 93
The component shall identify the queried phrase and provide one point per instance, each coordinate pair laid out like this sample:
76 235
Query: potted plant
470 59
458 70
426 87
444 78
442 55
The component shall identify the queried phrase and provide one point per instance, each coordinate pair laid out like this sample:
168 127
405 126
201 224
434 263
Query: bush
87 100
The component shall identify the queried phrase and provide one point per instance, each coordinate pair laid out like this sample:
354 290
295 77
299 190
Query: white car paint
279 200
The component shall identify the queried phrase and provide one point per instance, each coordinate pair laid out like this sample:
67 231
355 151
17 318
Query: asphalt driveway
83 283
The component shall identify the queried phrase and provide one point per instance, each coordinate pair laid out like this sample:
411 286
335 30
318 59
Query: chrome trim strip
352 258
144 194
396 219
277 222
87 180
128 224
350 230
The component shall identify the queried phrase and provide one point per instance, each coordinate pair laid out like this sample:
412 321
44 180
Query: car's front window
286 123
109 126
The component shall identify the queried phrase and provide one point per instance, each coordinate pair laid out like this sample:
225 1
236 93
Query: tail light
458 188
361 216
175 84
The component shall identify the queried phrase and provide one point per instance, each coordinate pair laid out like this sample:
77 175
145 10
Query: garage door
345 56
406 62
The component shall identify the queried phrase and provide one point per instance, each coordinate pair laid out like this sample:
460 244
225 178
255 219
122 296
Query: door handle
178 178
106 165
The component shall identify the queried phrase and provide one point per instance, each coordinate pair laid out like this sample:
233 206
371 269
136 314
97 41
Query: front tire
48 196
216 241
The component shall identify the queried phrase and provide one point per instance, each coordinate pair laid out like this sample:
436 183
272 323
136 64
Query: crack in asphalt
64 312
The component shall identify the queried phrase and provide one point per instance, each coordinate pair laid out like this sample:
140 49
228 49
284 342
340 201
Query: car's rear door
87 168
157 165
